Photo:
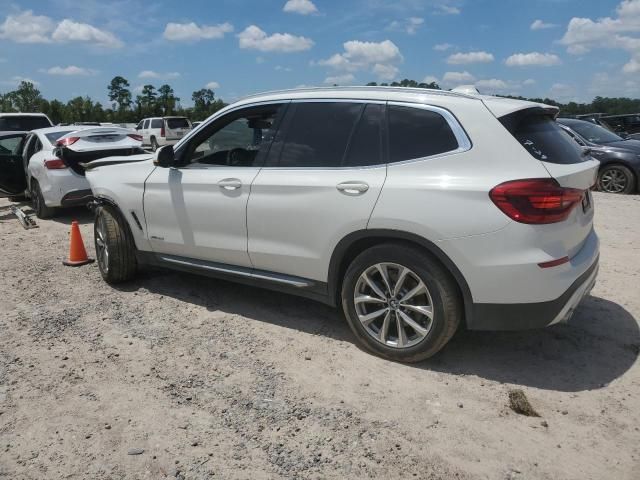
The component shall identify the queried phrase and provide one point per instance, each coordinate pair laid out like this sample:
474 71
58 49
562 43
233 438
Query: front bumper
524 316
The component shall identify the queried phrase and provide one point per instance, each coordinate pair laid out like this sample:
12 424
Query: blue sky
566 49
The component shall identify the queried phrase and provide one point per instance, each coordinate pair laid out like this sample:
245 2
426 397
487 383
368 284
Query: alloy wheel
102 249
613 180
393 305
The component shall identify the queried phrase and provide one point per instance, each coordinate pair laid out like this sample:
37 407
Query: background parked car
23 122
619 158
628 125
160 131
44 163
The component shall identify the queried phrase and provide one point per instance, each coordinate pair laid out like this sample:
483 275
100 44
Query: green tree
146 102
119 93
26 98
167 100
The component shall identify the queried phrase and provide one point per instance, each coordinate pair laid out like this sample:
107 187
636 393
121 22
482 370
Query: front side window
146 124
239 139
417 133
318 134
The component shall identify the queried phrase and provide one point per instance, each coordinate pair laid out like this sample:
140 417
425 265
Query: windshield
54 136
594 133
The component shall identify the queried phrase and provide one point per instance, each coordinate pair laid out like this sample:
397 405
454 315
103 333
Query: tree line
124 107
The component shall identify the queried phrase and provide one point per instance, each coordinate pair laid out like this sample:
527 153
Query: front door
198 209
13 180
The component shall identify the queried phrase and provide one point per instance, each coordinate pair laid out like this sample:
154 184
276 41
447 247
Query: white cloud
457 78
447 10
212 85
157 75
380 58
470 57
430 79
410 26
71 70
540 25
340 79
255 38
633 66
70 31
192 32
533 59
585 34
302 7
561 91
15 81
492 84
442 47
280 68
25 27
529 82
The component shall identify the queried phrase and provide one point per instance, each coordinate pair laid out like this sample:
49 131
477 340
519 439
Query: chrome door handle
352 188
230 183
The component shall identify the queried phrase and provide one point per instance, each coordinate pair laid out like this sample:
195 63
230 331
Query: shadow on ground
598 345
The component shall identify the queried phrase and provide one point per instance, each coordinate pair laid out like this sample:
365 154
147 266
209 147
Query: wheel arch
104 201
356 242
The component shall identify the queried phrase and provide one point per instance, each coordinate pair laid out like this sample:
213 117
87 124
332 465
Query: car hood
628 145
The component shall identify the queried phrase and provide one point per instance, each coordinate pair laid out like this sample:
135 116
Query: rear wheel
616 179
37 202
114 246
154 144
400 303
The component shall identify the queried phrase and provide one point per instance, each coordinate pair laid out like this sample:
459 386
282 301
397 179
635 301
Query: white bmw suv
415 211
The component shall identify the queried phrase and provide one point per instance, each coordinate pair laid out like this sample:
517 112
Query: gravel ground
177 376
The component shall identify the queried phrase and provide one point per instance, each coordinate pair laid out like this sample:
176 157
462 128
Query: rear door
321 181
12 174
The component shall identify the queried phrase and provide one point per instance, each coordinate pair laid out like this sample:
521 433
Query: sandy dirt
216 380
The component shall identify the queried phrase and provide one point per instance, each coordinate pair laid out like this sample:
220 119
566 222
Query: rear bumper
75 198
524 316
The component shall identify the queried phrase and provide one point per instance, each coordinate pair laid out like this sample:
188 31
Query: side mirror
165 157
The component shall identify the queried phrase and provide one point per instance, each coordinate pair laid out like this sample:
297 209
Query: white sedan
52 156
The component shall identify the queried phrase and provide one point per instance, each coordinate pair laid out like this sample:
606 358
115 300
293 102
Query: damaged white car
44 164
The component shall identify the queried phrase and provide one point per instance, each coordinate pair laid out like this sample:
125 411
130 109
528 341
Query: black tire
616 179
37 202
444 295
154 144
109 228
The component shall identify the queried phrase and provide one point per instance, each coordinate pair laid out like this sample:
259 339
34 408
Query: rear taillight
54 164
162 132
136 137
536 201
65 142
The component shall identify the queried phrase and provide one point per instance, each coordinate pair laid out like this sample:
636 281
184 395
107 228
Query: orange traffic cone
77 253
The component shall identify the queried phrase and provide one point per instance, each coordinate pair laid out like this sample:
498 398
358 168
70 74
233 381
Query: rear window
543 138
26 123
418 133
173 123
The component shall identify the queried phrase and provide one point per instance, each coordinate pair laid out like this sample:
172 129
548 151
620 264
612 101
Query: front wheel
616 179
114 246
400 303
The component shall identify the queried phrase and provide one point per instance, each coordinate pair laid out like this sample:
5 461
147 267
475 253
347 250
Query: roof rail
428 91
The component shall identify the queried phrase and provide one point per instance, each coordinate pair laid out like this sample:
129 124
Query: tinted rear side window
541 136
318 133
156 123
365 147
26 123
417 133
177 123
